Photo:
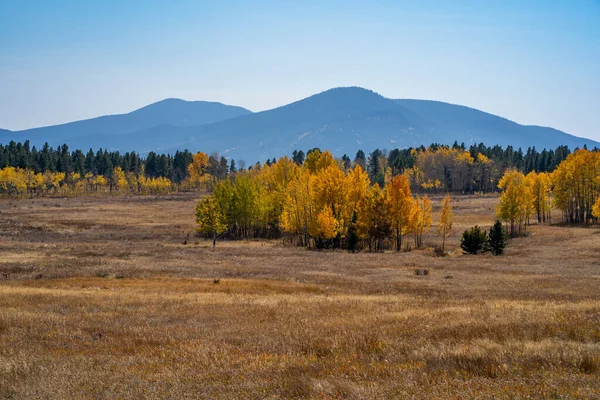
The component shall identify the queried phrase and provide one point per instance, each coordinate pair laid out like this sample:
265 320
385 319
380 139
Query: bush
473 240
497 239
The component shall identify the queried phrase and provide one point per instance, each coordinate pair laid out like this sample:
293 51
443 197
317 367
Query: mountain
169 112
342 120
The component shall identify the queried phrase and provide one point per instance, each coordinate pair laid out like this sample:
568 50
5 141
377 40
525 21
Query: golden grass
100 298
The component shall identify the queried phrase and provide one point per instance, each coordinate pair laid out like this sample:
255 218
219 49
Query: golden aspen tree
197 174
79 183
13 181
34 181
445 226
399 203
119 181
357 186
516 201
576 183
132 182
57 179
539 184
312 160
274 180
89 181
325 226
209 218
421 219
298 207
357 191
596 208
373 221
330 191
99 182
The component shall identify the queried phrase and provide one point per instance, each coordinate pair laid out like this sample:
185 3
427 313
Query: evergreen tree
473 240
497 239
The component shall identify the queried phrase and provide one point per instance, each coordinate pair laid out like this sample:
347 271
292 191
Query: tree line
325 204
102 162
453 168
17 182
573 188
456 168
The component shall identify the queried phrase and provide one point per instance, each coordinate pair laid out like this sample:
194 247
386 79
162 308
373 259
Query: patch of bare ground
101 298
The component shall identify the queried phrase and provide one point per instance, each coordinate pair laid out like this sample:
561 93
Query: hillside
342 120
169 112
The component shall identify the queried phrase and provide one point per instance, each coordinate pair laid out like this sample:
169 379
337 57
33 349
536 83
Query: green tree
473 240
497 238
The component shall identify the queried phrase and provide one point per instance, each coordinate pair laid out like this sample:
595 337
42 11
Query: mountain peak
349 92
340 101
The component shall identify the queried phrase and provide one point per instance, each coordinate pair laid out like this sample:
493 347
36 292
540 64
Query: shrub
473 240
497 239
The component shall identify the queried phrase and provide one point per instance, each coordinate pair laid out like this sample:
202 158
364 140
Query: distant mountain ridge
168 112
342 120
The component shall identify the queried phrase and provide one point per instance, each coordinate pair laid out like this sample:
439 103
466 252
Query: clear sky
535 62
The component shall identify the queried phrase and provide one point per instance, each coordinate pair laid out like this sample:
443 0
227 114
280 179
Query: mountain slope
171 112
342 120
331 120
448 121
345 120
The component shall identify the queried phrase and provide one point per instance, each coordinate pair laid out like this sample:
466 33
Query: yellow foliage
119 179
576 184
596 209
197 170
400 205
516 201
325 226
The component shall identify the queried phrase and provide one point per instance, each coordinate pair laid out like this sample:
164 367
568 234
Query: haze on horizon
534 62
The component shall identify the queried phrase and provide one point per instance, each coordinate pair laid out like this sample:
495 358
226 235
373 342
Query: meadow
115 297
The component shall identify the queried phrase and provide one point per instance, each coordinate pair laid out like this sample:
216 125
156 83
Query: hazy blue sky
535 62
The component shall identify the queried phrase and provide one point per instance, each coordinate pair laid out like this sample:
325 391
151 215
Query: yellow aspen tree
197 174
89 181
57 179
445 226
312 160
357 186
399 203
99 182
516 201
373 219
35 182
298 207
119 181
421 219
539 184
326 225
596 208
330 191
210 219
576 183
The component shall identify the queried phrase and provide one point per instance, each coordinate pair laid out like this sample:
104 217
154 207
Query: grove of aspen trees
322 201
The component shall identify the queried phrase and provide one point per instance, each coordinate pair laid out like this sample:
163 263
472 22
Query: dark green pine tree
473 240
497 238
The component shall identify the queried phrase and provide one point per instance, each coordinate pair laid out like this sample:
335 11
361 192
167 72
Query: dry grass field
100 298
